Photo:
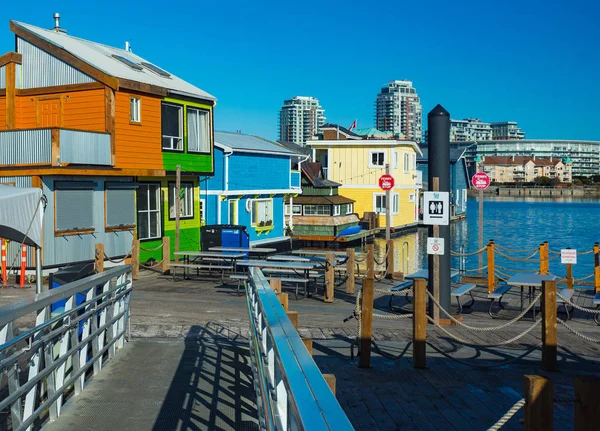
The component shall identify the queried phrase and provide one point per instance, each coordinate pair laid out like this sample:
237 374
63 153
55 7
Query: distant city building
300 119
470 129
398 110
507 130
334 132
585 155
525 169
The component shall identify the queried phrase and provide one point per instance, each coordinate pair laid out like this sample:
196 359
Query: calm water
515 223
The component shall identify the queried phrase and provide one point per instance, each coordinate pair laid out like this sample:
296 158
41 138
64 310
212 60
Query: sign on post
386 182
435 246
481 181
436 208
568 255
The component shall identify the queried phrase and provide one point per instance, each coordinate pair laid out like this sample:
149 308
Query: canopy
21 213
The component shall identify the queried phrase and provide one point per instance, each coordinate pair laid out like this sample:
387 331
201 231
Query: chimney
127 46
57 27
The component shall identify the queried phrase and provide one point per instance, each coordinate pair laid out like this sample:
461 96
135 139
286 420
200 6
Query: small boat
350 230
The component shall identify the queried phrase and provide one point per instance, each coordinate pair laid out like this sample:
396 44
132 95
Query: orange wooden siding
138 145
26 112
2 113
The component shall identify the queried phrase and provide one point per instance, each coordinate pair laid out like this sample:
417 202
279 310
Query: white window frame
395 203
268 216
337 210
186 207
151 211
295 210
199 113
349 208
135 110
320 210
396 159
202 210
377 166
406 163
172 139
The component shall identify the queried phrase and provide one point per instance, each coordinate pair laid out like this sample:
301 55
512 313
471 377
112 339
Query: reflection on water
514 224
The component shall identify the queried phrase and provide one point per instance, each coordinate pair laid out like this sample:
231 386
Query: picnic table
288 258
531 281
246 250
210 260
424 273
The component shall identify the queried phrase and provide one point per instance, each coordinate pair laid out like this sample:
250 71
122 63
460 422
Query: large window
186 200
172 126
74 206
198 130
379 203
148 208
317 210
262 212
120 208
295 210
376 159
135 110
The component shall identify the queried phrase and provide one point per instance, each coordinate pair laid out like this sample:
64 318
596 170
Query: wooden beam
42 91
11 99
275 284
64 170
99 258
390 258
329 277
127 84
135 259
109 121
368 291
308 344
11 57
65 56
549 339
419 323
587 407
330 379
166 254
55 142
284 300
36 182
350 263
293 316
538 403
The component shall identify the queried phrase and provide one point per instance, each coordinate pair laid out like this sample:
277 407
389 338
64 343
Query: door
49 112
233 219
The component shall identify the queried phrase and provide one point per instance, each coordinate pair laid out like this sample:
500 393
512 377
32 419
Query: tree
543 181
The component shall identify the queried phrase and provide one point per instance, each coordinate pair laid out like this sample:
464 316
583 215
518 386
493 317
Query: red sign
480 181
386 182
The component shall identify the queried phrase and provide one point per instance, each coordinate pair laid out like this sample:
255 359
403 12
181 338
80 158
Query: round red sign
386 182
480 181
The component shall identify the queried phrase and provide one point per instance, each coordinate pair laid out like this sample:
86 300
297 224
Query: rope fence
508 415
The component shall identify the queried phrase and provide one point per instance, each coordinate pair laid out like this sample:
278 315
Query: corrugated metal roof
100 57
241 142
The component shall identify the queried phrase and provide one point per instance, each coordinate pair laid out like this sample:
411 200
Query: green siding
189 240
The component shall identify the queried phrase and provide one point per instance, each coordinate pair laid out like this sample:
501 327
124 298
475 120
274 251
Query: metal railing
78 327
292 394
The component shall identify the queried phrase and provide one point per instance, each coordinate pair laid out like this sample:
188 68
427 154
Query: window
296 209
376 159
379 203
414 163
406 162
202 206
148 208
172 127
135 109
336 210
396 159
317 210
120 205
186 200
74 206
349 208
198 130
262 212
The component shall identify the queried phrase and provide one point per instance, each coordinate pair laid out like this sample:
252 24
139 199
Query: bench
198 267
296 280
597 304
497 294
568 295
405 285
463 290
239 278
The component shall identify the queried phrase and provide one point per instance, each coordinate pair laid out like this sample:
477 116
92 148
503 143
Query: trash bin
65 275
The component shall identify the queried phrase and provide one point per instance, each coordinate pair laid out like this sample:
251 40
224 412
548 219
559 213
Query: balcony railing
54 147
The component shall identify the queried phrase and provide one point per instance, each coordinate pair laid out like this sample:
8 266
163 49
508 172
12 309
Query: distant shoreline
537 191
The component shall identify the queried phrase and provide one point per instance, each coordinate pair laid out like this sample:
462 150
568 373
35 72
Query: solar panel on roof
156 69
127 62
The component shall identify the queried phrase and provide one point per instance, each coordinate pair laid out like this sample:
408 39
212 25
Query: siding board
2 113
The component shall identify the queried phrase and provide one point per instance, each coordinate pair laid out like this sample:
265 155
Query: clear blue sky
535 62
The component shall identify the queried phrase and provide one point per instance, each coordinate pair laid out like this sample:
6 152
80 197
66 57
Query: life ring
248 205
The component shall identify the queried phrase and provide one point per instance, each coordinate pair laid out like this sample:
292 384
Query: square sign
435 246
436 208
568 255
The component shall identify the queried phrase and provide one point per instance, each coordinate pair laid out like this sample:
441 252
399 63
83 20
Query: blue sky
529 61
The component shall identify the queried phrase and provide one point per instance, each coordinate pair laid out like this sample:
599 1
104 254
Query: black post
438 123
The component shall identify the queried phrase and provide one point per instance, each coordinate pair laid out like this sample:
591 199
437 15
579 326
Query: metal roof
249 143
101 57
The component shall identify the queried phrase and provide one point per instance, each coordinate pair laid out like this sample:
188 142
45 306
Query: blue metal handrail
292 393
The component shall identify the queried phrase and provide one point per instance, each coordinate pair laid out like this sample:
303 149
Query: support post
538 403
330 379
135 259
166 254
293 316
388 206
24 265
549 340
4 274
587 408
329 277
390 259
419 324
596 267
542 260
275 284
39 278
364 360
99 258
480 226
350 263
177 208
308 344
491 268
434 288
569 276
283 300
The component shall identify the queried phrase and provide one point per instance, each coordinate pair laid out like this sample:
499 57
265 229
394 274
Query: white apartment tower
300 119
398 110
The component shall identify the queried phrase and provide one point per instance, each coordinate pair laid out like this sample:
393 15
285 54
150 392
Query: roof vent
57 27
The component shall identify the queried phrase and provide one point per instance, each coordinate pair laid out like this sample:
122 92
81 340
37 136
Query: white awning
21 213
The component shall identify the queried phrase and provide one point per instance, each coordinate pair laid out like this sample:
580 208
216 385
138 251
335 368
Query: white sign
568 255
435 246
419 180
436 208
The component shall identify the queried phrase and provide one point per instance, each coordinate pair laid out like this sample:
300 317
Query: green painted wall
190 162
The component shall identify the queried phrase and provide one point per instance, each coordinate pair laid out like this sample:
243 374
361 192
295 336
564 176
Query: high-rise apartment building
507 131
398 110
300 119
470 129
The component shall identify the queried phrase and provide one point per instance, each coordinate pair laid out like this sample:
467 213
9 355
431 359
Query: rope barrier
455 253
394 293
393 316
578 307
577 280
508 415
152 265
517 259
579 334
484 366
387 252
470 270
514 270
150 250
118 260
529 250
356 259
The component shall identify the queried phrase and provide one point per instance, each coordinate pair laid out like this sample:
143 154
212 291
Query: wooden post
308 344
549 340
293 316
596 267
135 259
350 271
390 259
284 300
99 258
480 224
538 403
329 277
542 258
419 323
330 379
569 276
177 208
435 311
275 284
587 408
547 259
491 269
364 360
166 254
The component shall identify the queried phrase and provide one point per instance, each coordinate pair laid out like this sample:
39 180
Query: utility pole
388 214
177 208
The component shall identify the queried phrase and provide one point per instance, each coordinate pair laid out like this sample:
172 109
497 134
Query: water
518 224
